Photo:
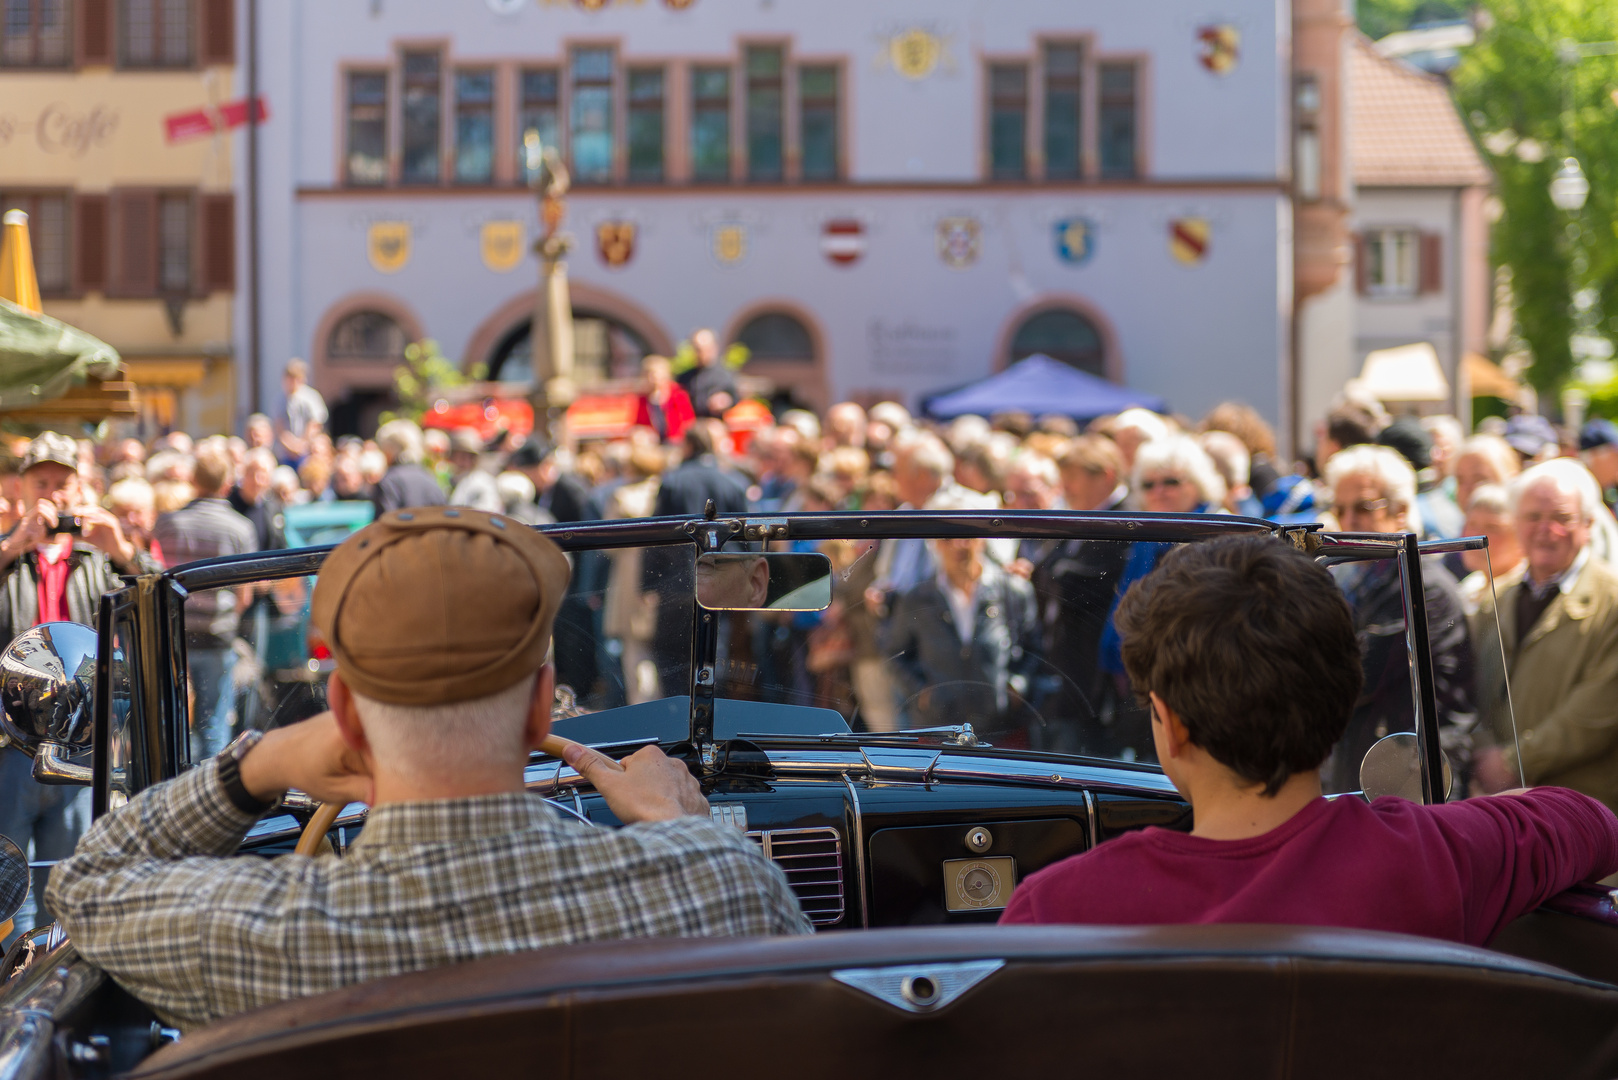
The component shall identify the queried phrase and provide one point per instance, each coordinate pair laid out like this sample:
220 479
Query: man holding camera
54 565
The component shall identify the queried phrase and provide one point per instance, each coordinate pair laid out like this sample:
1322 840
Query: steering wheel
325 814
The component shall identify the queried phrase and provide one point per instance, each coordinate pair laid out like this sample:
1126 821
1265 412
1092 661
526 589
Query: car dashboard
876 836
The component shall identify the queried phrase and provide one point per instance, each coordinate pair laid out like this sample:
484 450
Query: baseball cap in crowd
1406 435
1529 434
434 605
531 453
51 446
1598 432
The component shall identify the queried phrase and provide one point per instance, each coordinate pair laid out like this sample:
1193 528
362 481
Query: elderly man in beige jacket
1558 623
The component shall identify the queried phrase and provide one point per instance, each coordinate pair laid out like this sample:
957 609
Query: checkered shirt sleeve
153 896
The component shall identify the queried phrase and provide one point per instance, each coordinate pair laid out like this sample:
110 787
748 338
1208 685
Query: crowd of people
1018 636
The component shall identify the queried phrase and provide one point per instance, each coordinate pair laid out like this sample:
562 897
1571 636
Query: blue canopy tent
1039 385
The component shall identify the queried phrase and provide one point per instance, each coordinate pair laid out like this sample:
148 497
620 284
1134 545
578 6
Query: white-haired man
1558 624
405 483
1374 490
441 690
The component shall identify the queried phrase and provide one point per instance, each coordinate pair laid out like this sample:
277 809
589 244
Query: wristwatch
230 775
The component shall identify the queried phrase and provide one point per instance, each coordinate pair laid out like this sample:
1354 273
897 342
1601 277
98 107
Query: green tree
424 377
1379 18
1530 108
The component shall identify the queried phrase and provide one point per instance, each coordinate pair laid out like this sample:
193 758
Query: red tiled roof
1403 129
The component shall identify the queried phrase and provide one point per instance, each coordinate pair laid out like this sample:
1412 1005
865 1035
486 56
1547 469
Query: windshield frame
712 534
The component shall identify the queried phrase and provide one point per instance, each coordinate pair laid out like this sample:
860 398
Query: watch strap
230 775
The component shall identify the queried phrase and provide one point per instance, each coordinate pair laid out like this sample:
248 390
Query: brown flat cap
439 604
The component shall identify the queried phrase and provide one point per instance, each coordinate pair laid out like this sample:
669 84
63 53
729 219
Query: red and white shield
843 241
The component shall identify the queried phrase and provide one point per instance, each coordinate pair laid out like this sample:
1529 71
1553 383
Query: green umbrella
42 358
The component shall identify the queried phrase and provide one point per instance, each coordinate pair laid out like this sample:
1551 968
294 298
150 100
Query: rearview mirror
763 581
1392 766
47 682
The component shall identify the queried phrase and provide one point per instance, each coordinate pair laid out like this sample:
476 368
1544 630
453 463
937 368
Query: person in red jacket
664 406
1245 650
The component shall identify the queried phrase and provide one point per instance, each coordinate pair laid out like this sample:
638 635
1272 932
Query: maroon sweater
1459 871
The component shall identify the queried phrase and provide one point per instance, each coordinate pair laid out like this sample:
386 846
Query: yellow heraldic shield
730 244
501 244
388 245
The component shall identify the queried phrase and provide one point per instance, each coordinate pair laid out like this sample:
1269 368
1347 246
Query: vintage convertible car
903 784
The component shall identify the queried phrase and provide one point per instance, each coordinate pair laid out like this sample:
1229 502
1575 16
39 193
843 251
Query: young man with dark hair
1245 650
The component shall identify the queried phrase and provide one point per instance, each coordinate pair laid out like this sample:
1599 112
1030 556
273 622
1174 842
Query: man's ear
539 711
1176 735
341 700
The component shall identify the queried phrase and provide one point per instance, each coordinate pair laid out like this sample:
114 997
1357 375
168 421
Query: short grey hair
1181 454
401 441
1493 498
426 740
1568 476
1393 475
928 453
1036 465
1230 456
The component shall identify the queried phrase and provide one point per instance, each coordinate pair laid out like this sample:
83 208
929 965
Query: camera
73 526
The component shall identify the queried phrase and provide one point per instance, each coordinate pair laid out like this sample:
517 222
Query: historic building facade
114 137
879 199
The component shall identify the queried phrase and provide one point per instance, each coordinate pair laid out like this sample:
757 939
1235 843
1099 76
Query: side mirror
47 684
1392 766
763 581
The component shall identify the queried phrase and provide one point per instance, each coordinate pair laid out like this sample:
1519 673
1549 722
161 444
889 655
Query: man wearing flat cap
439 620
54 565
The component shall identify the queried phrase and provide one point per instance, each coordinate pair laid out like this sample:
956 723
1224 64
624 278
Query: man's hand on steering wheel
310 756
648 785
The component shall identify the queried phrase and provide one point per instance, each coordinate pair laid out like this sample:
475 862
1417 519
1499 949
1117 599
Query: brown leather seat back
1236 1001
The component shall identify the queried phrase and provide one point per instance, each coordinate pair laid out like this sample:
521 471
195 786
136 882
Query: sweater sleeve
1514 852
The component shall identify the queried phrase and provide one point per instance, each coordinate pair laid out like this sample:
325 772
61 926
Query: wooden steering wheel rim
326 813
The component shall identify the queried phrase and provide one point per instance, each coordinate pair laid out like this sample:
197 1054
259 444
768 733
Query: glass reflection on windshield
1014 636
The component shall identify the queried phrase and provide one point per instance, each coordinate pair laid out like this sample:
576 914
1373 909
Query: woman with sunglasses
1174 475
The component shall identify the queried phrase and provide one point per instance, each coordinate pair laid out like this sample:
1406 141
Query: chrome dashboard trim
1090 815
41 996
859 852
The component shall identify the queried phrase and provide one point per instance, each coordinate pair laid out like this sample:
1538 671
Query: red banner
200 123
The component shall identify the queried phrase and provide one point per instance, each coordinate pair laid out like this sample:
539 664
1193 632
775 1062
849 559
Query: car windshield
1012 634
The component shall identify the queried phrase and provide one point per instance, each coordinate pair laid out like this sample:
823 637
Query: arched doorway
603 348
1061 334
785 351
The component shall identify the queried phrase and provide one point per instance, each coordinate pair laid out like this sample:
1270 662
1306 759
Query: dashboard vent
813 862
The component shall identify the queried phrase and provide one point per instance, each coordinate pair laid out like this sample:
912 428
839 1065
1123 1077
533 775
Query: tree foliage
1531 108
1379 18
424 377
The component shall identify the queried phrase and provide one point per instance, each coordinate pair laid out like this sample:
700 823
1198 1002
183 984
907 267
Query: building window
1064 81
817 121
1062 335
538 111
367 127
366 336
155 33
1117 121
775 335
174 244
48 236
422 95
591 131
766 119
1008 121
1392 262
35 33
710 123
646 124
474 127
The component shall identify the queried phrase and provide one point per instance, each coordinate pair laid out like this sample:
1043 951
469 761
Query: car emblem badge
918 987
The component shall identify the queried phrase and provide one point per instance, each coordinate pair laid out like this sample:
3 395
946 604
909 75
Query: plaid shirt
152 897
